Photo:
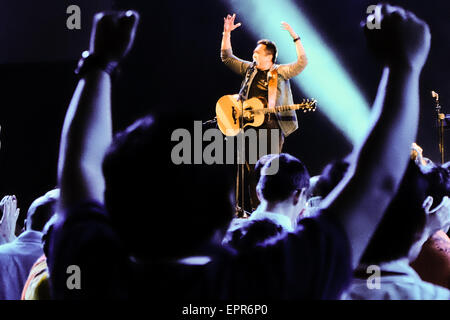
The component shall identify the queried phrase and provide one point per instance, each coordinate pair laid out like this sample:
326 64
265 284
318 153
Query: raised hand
113 34
228 23
402 40
8 206
286 26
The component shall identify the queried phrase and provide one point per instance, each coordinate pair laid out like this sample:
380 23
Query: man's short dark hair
271 48
260 164
291 175
404 220
158 208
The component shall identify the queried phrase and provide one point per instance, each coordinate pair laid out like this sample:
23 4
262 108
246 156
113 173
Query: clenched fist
403 39
113 34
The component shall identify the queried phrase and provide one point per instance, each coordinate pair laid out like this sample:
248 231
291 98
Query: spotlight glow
324 78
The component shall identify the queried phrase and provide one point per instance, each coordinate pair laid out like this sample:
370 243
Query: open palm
8 206
228 23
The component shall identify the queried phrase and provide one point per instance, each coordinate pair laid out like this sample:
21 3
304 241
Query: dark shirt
314 262
259 86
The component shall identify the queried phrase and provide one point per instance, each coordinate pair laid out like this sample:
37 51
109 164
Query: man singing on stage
266 80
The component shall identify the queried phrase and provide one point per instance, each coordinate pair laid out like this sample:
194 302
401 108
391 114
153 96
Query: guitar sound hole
233 113
248 116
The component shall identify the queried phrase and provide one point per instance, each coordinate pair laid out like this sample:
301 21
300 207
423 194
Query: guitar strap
272 95
273 84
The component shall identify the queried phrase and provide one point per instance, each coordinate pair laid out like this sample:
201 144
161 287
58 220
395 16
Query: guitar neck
282 108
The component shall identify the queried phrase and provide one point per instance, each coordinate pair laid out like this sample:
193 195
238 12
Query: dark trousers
251 176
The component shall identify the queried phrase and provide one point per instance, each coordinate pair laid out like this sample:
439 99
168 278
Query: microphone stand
213 120
242 96
440 119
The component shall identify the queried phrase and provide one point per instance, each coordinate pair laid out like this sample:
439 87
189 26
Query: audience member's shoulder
323 221
429 291
88 220
412 288
87 210
325 232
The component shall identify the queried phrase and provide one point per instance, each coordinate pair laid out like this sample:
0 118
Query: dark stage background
175 64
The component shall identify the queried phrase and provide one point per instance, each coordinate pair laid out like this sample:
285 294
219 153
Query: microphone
253 64
435 95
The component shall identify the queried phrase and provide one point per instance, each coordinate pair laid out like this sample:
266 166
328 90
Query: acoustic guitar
229 111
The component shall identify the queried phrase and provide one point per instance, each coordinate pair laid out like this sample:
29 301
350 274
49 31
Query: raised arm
362 197
9 215
291 70
87 130
226 53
